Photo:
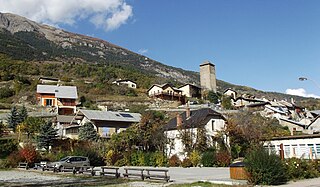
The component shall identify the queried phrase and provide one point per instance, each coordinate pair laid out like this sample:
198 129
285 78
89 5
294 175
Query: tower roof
207 62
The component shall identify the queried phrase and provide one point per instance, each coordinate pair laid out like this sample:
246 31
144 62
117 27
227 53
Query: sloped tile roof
111 116
197 118
67 92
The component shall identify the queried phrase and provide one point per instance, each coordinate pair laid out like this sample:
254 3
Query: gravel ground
33 178
19 177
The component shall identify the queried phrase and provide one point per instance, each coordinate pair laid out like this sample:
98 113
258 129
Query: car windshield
64 159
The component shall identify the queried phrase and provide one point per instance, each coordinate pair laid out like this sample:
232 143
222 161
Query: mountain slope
23 39
27 40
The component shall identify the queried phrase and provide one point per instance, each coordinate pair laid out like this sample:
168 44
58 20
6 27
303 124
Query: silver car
71 161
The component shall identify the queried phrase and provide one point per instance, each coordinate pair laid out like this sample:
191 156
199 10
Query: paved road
303 183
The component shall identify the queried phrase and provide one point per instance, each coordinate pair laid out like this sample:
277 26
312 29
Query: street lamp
305 78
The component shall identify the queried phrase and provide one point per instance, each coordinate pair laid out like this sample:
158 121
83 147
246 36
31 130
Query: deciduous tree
247 129
31 125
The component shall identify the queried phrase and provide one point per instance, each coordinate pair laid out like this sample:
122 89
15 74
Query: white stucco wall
212 127
130 84
186 90
306 148
315 126
230 93
155 90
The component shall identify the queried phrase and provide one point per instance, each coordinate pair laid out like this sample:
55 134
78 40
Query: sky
266 45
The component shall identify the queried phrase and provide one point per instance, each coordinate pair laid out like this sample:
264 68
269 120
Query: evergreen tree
2 127
87 132
47 135
13 118
23 114
213 97
226 102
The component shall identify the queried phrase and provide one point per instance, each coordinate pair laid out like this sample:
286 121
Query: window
126 115
212 125
318 150
287 151
294 149
301 152
48 102
72 131
273 148
133 86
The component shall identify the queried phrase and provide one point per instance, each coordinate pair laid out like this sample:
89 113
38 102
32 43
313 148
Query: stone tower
208 77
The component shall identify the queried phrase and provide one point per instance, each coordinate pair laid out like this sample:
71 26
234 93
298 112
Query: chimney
188 110
179 120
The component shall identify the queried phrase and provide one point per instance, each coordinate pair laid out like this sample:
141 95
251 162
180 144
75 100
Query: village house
241 102
166 92
48 80
231 93
190 90
67 126
61 99
129 83
298 146
314 126
105 122
206 118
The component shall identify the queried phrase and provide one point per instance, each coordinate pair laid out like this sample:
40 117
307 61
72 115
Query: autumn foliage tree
28 153
147 136
247 129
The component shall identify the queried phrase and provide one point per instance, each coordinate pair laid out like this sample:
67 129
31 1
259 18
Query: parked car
70 161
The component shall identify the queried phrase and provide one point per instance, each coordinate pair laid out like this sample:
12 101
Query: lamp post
305 78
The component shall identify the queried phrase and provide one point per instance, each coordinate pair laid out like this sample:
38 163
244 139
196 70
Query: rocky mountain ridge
102 51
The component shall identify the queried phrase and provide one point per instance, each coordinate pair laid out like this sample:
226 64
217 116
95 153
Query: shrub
54 156
186 163
95 158
29 153
156 159
301 169
6 92
122 162
7 146
111 157
223 158
174 161
4 163
138 159
208 158
13 159
195 158
264 168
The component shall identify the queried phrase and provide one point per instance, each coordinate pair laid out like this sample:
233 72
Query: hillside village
61 104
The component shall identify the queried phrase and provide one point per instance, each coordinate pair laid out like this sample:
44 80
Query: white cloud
143 51
106 14
300 92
